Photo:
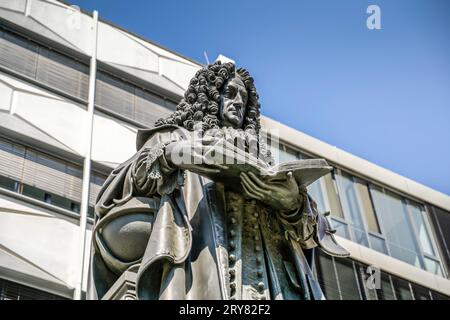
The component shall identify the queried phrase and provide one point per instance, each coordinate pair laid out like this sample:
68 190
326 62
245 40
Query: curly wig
199 109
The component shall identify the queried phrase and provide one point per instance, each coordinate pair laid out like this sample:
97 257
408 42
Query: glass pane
274 151
341 228
402 290
333 200
441 223
8 183
348 283
418 215
398 231
61 202
420 293
386 292
359 236
439 296
378 244
366 204
75 207
114 94
316 192
350 205
433 266
288 154
327 277
33 192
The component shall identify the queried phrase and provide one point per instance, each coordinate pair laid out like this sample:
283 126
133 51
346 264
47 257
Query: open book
237 160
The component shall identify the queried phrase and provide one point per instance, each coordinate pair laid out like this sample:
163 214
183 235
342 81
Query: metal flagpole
87 160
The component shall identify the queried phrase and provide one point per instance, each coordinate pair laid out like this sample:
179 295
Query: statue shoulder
168 130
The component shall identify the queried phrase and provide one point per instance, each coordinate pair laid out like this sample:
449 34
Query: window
348 281
352 207
377 218
63 73
287 154
46 66
45 178
14 291
345 279
18 54
9 184
326 276
440 220
396 225
402 289
422 228
324 192
129 101
386 292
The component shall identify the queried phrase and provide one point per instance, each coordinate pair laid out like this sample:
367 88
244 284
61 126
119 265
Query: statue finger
203 169
220 166
251 184
258 181
249 193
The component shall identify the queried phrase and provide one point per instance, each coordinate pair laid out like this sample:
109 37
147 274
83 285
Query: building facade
397 230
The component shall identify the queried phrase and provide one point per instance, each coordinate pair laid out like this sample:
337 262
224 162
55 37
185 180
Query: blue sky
383 95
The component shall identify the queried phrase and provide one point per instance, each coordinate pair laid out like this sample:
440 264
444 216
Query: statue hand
283 195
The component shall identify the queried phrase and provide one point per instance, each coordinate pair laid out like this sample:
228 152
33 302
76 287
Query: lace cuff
150 168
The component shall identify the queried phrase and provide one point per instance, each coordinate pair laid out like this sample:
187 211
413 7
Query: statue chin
127 236
232 121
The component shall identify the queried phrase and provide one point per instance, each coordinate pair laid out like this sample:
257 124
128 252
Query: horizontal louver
73 183
148 108
41 174
46 173
327 277
348 281
130 101
114 95
46 66
14 291
96 184
11 160
63 73
18 54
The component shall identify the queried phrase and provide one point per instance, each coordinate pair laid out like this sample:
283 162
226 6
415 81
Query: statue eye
229 92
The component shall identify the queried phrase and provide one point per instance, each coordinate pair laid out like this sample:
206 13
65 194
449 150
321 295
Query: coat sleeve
146 174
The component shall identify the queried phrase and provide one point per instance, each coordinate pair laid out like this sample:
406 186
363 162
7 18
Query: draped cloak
204 241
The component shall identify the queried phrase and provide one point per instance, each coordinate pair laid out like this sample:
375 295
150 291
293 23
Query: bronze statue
192 236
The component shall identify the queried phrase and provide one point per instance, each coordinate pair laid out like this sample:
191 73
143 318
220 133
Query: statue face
233 103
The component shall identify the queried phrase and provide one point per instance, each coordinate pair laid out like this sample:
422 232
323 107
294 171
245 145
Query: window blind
46 173
63 73
148 107
114 94
14 291
11 160
18 54
44 65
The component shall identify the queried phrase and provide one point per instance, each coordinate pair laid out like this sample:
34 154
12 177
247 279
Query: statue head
218 96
